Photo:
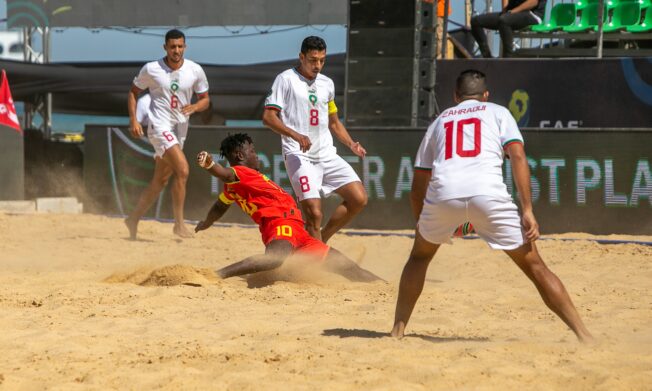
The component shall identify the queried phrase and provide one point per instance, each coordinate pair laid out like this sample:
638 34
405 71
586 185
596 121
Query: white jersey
304 107
464 148
170 90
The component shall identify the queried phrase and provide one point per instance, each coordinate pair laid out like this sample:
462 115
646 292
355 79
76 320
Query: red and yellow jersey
259 197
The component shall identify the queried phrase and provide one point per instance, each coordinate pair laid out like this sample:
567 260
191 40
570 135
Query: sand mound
166 276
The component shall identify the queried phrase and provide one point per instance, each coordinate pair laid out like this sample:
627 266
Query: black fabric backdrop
237 92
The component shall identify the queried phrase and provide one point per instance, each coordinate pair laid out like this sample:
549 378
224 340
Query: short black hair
232 144
470 83
313 43
174 34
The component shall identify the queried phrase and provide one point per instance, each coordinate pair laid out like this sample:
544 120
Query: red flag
8 115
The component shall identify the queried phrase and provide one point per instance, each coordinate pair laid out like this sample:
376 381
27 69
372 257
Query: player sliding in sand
457 177
274 210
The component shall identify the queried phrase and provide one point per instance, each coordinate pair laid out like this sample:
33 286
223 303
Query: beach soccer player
275 212
171 82
301 108
458 173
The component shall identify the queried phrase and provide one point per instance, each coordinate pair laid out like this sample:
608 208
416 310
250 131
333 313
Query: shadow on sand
359 333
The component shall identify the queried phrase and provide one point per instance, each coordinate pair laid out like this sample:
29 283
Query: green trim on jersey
423 168
514 140
273 105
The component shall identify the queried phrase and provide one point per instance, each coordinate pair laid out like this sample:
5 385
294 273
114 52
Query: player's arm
521 173
205 161
525 6
132 99
203 101
273 121
419 188
215 213
337 128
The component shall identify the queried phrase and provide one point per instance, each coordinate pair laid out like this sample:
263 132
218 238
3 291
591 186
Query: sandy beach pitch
82 307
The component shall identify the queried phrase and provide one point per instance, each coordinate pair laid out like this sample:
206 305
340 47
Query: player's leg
339 177
478 24
336 262
276 252
175 158
412 279
354 199
436 222
306 177
311 208
550 288
162 173
497 221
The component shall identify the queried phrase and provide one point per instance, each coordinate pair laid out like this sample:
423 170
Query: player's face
174 49
311 63
250 158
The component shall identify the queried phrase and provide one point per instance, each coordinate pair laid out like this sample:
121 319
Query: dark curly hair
232 143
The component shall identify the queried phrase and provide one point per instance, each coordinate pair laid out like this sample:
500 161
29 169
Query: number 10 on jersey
459 136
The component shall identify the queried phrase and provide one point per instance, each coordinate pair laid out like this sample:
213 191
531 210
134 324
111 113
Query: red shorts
294 232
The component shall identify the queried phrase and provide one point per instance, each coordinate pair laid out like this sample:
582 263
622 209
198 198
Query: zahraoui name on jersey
170 90
464 148
303 107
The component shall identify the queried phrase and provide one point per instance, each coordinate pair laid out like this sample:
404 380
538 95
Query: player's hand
136 129
304 142
357 148
530 226
202 225
188 110
205 160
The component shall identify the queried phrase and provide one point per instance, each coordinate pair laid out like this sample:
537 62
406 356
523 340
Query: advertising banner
562 93
582 180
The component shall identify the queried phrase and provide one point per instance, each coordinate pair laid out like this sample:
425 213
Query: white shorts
495 220
162 140
311 179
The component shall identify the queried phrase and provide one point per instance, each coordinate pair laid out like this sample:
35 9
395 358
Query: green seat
645 25
580 4
625 14
588 19
561 15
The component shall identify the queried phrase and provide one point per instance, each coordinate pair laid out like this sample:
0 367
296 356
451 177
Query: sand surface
82 307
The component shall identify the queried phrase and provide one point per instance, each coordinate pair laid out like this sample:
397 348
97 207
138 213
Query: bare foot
398 330
132 226
587 339
183 232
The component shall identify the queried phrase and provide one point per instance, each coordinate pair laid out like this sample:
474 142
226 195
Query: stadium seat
588 19
645 25
581 4
561 15
625 14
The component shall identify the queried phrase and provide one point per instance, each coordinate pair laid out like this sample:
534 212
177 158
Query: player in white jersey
301 108
171 82
458 177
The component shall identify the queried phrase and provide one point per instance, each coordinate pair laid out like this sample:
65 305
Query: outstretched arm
205 160
521 172
215 213
337 128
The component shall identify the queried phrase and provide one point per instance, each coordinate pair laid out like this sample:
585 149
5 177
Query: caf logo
519 106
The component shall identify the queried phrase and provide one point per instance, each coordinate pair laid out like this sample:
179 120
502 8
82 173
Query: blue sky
229 45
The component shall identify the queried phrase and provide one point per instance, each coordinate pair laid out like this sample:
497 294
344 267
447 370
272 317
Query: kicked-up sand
82 307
